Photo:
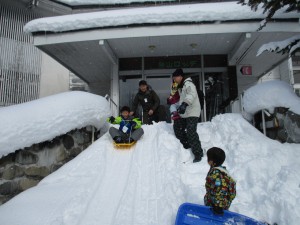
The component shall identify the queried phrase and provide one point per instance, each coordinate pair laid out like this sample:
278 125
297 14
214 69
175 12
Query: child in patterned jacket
173 101
220 186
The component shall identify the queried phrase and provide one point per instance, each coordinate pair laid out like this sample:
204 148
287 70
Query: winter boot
186 145
129 140
175 115
118 139
197 158
217 210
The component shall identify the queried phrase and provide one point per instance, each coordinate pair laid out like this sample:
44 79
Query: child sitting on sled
129 130
220 186
173 101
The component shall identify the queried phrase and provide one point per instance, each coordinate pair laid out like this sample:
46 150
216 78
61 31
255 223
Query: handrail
113 105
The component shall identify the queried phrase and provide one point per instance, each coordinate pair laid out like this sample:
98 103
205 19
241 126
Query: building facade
220 55
26 73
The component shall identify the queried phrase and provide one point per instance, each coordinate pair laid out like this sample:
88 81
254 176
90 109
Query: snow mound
43 119
146 184
271 94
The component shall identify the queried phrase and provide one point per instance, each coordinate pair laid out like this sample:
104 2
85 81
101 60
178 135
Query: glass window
296 74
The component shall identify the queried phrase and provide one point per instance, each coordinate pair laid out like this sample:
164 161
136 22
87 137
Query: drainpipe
263 121
203 88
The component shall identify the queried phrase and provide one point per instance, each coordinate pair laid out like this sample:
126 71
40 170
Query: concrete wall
54 77
280 72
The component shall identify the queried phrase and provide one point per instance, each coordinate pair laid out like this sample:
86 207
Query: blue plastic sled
192 214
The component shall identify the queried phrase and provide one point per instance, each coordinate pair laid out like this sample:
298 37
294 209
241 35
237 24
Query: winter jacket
220 188
188 94
148 100
174 96
126 124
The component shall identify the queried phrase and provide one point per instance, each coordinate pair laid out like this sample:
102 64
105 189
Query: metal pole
263 121
203 89
93 134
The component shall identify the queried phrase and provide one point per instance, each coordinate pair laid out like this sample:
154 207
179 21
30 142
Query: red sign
246 70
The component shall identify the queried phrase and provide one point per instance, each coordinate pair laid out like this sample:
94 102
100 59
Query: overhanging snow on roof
191 13
107 2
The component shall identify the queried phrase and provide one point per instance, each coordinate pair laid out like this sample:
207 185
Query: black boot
218 210
197 158
186 145
118 139
129 140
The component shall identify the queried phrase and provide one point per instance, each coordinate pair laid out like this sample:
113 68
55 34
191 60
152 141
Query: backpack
200 95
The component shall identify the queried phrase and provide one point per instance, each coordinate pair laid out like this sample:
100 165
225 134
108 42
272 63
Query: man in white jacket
185 128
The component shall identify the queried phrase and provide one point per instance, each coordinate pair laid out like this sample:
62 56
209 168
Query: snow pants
185 130
135 134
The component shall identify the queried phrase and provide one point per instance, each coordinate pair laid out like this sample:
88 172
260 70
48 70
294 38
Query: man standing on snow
149 101
185 128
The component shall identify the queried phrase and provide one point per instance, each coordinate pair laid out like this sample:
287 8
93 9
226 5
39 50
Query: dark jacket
148 100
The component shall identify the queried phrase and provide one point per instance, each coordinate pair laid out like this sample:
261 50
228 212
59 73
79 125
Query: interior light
151 47
193 46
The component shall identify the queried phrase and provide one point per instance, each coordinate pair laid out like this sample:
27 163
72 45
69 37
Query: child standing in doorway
173 101
220 186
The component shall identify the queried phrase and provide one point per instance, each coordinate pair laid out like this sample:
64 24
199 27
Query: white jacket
189 94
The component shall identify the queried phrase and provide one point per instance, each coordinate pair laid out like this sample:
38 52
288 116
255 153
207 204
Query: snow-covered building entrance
113 46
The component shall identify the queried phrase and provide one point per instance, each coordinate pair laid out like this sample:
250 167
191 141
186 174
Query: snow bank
43 119
146 184
271 94
159 14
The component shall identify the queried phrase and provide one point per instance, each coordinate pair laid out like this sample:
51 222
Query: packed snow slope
146 184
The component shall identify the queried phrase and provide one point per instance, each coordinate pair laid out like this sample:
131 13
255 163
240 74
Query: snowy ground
145 185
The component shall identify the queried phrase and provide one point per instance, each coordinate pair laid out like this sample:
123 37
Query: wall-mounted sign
246 70
173 62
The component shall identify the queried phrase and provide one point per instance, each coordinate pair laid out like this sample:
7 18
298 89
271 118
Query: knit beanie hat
178 72
142 82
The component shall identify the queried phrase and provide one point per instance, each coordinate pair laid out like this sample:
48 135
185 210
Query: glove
112 119
181 109
132 123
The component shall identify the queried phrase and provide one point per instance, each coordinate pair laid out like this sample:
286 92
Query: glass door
161 84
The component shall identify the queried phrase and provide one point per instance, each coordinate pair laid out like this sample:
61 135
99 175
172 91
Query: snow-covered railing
113 106
236 105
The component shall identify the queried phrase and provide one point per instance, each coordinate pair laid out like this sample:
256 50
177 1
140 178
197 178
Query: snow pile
43 119
154 15
146 184
107 2
271 94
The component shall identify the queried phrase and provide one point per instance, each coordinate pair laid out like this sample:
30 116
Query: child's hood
224 170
